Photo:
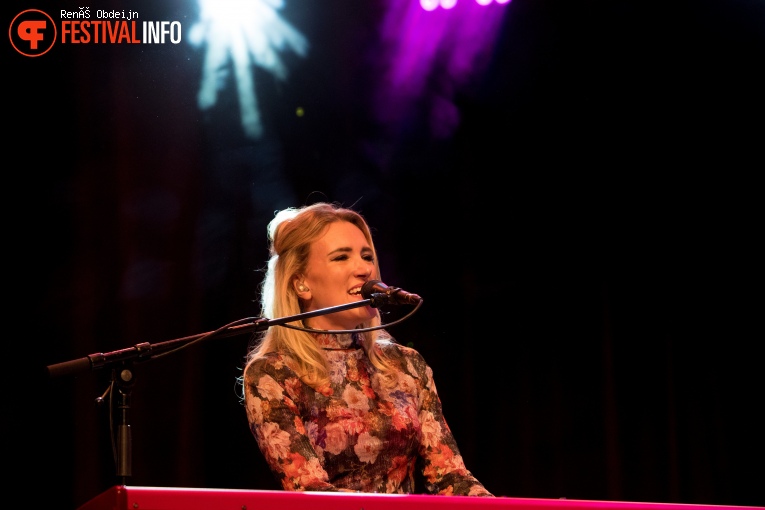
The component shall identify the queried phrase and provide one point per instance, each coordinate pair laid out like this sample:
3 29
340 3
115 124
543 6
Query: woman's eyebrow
343 249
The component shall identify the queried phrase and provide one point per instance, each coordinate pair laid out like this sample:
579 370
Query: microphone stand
124 377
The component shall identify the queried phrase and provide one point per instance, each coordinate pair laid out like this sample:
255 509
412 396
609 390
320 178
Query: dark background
587 244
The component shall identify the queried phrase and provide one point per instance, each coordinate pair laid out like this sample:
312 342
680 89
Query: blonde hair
290 235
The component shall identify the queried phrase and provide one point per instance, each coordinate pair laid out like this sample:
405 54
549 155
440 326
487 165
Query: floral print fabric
355 434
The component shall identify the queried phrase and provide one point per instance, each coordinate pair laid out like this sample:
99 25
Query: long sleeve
269 391
443 468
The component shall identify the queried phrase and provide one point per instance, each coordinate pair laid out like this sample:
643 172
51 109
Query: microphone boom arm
145 351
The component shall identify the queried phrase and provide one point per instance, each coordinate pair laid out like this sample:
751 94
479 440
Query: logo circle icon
32 33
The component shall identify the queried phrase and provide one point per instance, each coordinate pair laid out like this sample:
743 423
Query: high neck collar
334 341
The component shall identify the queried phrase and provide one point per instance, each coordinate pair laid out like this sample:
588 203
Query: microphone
381 294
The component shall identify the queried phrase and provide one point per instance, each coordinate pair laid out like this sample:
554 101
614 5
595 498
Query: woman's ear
301 289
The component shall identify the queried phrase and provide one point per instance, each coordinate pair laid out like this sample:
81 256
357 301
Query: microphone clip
378 299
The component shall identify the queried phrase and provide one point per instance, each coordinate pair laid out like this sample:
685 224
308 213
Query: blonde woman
334 411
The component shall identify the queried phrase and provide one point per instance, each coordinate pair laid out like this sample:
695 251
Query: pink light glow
428 56
429 5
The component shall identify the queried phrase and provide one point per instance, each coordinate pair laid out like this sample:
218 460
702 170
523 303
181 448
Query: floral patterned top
355 434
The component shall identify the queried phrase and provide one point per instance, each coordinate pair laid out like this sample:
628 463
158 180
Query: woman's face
339 263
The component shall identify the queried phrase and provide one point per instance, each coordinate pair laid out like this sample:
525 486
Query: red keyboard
168 498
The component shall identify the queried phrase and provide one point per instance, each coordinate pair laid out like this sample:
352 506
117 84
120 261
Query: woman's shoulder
275 364
406 356
394 348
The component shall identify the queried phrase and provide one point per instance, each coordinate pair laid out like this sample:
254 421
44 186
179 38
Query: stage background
586 237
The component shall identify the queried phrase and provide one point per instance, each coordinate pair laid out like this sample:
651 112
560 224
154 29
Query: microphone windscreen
373 287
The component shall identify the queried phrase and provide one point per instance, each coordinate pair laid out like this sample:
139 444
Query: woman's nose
364 268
